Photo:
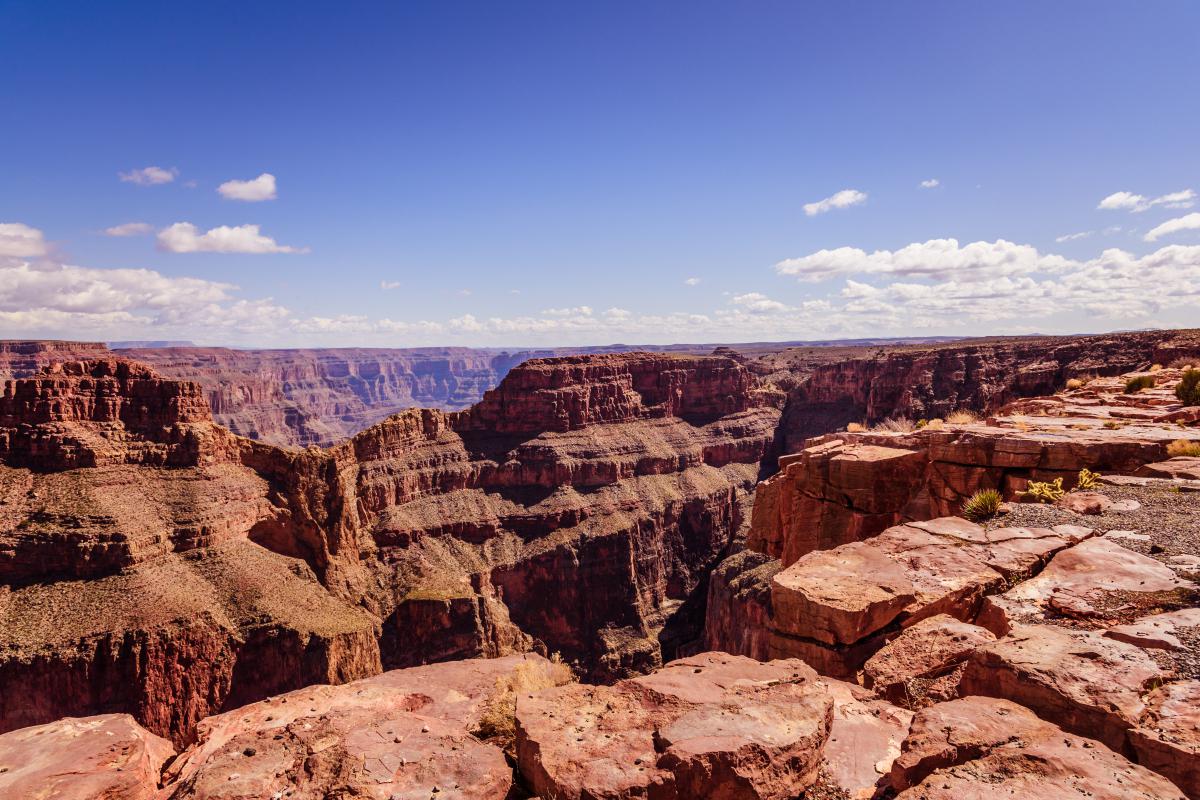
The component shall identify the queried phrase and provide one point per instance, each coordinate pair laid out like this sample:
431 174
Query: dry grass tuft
1156 367
962 416
498 720
1188 390
1075 383
935 425
1182 447
855 427
895 425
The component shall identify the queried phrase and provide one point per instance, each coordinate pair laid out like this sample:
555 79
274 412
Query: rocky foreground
188 613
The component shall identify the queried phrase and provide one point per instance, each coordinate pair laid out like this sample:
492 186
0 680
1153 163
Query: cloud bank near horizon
939 286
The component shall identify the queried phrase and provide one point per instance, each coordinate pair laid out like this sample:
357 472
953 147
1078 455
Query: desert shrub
982 504
1045 491
1156 367
1075 383
1182 363
1136 384
1087 479
935 425
498 719
962 416
921 423
1112 425
895 425
1188 390
1182 447
855 427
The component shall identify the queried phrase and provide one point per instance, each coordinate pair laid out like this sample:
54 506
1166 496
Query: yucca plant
981 505
1045 491
1087 479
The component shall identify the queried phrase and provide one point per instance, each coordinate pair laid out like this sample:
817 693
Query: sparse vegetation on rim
1182 447
1075 383
961 416
895 425
1139 382
1045 491
498 721
1087 479
982 505
1188 390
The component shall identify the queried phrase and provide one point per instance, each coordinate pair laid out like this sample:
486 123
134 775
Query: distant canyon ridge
320 396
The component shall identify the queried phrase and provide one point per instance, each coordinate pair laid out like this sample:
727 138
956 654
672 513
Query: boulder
81 758
713 725
864 740
1168 738
979 748
1091 503
402 734
1090 685
924 657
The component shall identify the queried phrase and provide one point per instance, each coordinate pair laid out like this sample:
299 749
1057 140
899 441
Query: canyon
753 600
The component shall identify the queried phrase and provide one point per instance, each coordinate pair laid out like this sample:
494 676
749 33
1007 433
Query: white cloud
580 311
692 282
939 259
130 229
843 199
21 241
464 292
932 183
252 191
757 303
1070 237
1136 203
1188 222
388 285
149 176
184 237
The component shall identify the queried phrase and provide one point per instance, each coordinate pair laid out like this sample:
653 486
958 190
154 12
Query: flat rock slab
1076 582
907 573
1089 684
1168 740
980 748
864 741
1186 467
713 725
927 650
402 735
80 758
1158 631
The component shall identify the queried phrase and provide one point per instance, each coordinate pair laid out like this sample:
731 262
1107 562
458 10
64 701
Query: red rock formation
429 536
708 726
110 757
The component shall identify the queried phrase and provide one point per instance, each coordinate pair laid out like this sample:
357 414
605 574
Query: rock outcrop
712 725
83 758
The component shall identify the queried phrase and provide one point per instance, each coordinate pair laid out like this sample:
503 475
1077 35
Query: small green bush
982 504
1135 385
1045 492
1188 390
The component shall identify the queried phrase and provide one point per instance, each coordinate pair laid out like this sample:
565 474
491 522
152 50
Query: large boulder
402 735
923 660
83 758
981 748
713 725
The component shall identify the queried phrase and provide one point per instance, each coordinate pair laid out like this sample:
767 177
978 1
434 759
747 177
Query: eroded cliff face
155 563
928 382
298 398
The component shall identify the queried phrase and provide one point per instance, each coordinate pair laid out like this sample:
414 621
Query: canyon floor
617 575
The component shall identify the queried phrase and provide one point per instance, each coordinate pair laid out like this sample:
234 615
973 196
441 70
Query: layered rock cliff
158 564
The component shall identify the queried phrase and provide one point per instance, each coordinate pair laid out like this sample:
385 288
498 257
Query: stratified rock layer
156 563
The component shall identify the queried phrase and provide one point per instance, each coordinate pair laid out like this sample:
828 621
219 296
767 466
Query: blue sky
585 173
